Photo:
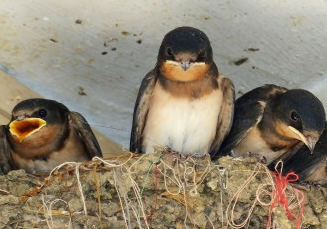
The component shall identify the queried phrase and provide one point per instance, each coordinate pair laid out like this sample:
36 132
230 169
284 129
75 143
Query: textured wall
92 55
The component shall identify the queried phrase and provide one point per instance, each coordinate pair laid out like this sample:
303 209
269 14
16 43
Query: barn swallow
43 134
270 121
309 167
183 103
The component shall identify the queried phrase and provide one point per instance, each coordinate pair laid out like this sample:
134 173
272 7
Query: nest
159 190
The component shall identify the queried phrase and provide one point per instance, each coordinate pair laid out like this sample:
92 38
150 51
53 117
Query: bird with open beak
270 121
184 103
43 134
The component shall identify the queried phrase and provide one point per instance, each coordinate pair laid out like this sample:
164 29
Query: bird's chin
173 70
22 129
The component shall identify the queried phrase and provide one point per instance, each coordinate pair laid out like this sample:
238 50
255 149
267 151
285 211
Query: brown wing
82 127
226 114
5 153
141 110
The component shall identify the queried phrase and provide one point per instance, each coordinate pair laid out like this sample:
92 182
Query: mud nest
160 190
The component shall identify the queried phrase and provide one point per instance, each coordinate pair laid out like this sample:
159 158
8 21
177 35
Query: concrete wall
92 55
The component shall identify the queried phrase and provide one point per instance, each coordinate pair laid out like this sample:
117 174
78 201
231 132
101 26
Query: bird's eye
201 56
169 52
295 117
42 113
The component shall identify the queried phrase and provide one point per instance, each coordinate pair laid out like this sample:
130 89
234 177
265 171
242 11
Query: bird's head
301 116
32 115
185 54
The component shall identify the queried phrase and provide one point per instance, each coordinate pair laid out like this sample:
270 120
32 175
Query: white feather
186 126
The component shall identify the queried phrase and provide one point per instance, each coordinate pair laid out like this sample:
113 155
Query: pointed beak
308 140
19 118
310 143
185 64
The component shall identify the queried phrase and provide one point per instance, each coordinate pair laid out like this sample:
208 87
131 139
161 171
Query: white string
76 164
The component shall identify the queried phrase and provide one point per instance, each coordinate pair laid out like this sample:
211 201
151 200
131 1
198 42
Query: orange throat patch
26 127
173 71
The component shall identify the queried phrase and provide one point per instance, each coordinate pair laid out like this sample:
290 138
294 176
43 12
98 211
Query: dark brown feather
6 163
226 114
88 138
140 111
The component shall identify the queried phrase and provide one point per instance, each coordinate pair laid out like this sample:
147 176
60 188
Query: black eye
42 113
295 117
201 56
169 52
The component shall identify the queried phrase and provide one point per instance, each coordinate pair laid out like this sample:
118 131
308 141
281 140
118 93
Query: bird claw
259 157
311 184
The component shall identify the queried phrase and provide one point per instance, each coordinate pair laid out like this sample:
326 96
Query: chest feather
255 144
185 125
72 151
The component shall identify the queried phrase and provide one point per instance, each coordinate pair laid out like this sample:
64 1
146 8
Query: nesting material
159 190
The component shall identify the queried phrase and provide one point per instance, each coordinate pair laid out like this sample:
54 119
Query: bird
184 103
311 168
43 134
271 120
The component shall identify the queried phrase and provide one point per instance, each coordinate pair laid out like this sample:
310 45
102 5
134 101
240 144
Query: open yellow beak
310 142
25 127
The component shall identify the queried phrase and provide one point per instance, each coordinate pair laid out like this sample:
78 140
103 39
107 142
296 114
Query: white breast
186 126
253 143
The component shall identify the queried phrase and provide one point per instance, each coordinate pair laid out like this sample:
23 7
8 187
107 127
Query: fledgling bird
183 103
270 121
43 134
309 167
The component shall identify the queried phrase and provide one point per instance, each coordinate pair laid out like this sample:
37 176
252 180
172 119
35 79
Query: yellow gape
26 127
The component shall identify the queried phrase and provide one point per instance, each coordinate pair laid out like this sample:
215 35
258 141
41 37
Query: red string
156 192
156 185
279 197
299 219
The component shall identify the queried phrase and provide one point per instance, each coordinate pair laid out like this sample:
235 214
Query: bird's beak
185 64
309 141
21 117
25 127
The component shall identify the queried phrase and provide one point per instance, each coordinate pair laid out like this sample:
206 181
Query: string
279 195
